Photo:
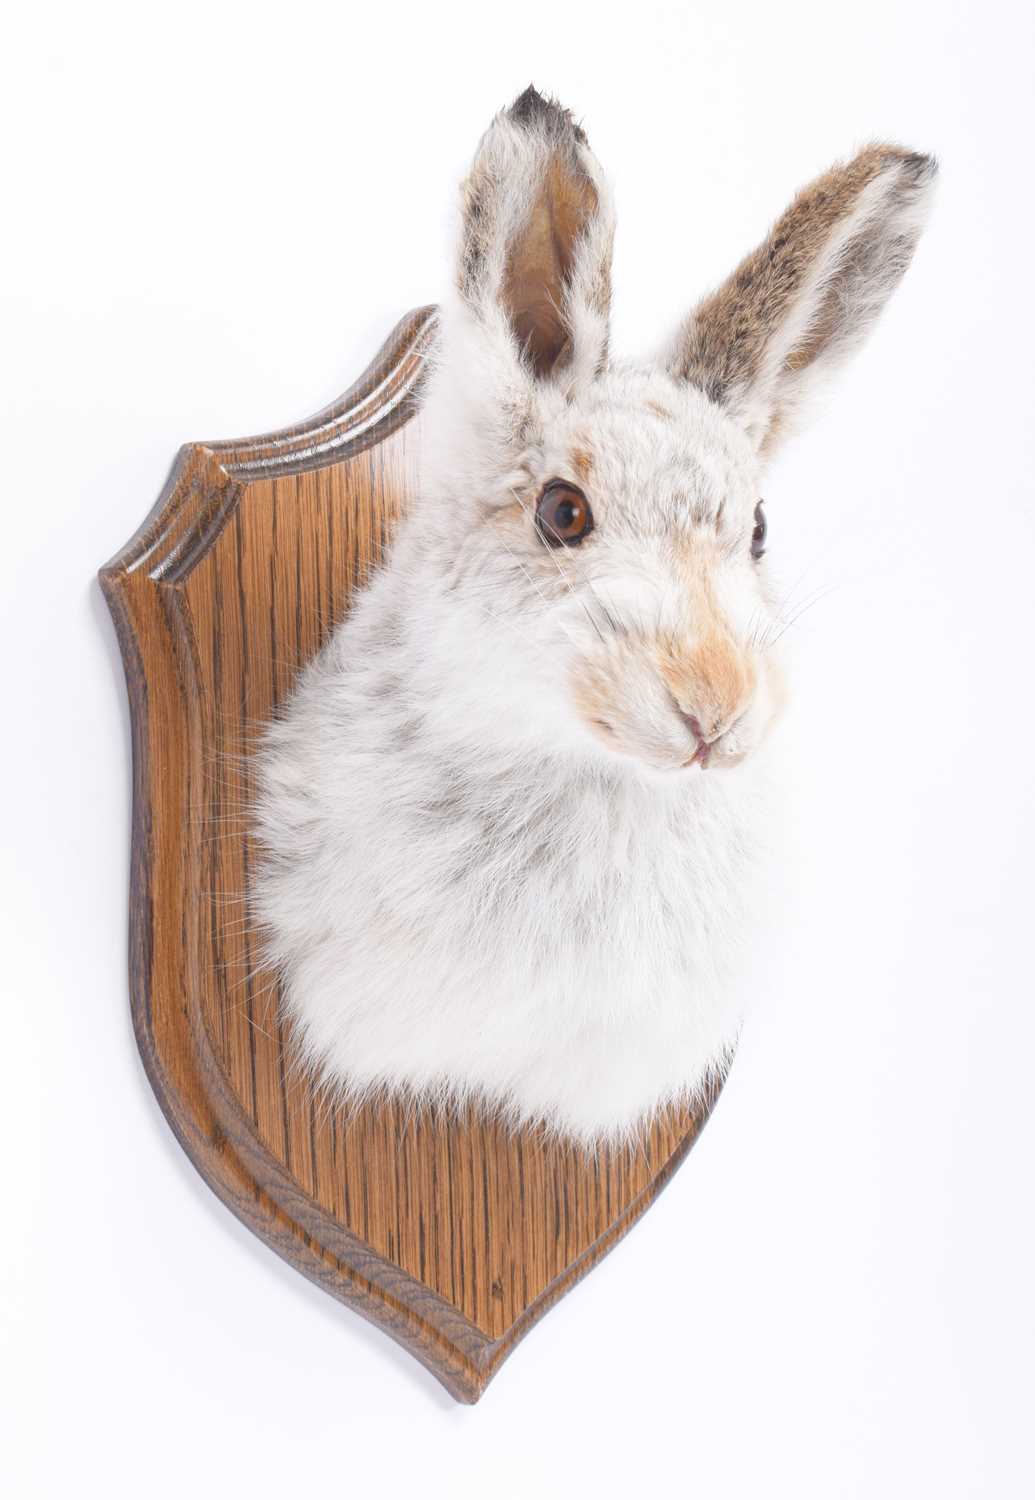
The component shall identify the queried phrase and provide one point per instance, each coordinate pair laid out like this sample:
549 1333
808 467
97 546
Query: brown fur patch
540 261
713 681
582 463
714 678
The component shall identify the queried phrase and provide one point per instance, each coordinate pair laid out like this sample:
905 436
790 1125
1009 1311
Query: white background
215 213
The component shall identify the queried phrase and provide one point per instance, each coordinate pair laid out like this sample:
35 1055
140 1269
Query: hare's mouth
682 748
721 750
716 756
701 756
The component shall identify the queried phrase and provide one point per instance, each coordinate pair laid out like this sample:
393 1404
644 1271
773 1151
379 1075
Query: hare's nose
710 690
703 740
693 723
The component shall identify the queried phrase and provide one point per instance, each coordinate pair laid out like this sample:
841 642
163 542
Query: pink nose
711 687
693 723
704 743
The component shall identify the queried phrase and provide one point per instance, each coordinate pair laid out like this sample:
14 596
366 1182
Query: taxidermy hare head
510 814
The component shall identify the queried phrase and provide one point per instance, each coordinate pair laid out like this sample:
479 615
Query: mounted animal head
596 523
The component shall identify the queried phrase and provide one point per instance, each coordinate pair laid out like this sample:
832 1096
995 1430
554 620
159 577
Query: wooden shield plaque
453 1235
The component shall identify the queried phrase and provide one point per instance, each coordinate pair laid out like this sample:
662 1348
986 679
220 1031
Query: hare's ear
801 302
535 252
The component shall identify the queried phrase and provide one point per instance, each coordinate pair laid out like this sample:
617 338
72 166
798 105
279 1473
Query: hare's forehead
622 440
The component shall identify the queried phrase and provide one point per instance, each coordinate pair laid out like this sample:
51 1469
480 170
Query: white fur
472 893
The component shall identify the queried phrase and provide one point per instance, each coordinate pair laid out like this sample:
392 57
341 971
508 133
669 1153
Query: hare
511 815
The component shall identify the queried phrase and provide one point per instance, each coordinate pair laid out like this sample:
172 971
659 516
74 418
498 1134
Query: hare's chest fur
549 937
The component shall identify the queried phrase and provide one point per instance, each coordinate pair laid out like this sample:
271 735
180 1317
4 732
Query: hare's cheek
594 700
601 705
751 726
766 705
623 705
776 686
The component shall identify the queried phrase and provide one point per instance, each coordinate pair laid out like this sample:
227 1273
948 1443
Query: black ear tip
528 106
917 168
924 167
533 109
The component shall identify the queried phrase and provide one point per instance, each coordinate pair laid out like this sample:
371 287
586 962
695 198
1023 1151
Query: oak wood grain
454 1236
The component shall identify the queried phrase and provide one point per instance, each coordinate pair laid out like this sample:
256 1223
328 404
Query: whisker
532 580
563 576
609 615
803 609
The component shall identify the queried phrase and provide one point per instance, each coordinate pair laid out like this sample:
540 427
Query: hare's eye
563 517
760 532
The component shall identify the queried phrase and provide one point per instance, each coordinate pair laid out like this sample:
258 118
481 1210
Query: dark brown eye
760 532
563 516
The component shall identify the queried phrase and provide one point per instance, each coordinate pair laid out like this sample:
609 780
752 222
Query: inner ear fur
540 263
